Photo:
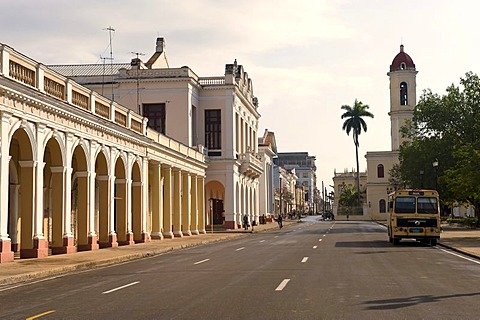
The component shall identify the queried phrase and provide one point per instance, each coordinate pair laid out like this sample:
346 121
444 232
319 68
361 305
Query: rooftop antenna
137 54
103 75
110 30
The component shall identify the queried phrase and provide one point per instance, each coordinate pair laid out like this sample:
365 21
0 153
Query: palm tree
354 121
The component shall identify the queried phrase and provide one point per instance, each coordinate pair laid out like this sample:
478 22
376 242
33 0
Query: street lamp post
435 166
421 179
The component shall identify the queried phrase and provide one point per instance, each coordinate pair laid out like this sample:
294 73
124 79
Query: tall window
403 94
155 113
382 206
194 126
213 129
380 171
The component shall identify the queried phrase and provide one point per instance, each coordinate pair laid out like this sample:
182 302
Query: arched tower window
403 66
403 94
380 171
382 207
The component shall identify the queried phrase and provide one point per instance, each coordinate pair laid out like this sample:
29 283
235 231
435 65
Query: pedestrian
279 220
245 222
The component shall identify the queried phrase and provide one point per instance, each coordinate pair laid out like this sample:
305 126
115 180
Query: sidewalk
28 269
466 241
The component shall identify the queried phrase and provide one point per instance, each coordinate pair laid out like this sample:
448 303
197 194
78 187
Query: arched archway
82 228
215 192
53 197
102 203
120 210
137 229
22 222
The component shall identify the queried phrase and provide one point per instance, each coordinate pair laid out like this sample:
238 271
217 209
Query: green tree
446 128
348 199
354 122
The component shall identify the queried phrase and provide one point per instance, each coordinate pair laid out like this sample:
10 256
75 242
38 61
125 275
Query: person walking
279 220
245 221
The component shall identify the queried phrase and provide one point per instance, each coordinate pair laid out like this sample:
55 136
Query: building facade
218 115
81 172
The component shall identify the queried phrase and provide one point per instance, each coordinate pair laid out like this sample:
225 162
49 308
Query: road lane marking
304 259
282 285
460 256
122 287
40 315
320 239
198 262
262 240
240 249
324 235
276 236
315 247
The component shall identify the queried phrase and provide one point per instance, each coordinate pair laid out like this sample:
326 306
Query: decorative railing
54 88
211 81
79 100
21 73
27 71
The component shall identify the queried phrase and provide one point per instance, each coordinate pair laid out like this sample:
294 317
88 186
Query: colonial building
267 150
346 179
79 171
305 170
219 113
403 99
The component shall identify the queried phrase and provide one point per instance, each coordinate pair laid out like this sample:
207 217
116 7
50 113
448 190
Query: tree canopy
446 129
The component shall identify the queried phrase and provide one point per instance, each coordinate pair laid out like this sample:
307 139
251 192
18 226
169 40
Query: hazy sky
306 58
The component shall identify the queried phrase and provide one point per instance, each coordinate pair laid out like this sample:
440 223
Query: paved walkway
463 240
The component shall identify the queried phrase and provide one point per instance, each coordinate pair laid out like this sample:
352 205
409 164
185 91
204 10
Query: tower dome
402 61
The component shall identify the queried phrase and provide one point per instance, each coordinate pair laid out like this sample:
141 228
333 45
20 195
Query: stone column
186 204
194 205
157 201
177 202
6 253
201 204
167 203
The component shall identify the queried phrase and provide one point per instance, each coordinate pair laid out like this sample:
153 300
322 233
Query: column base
92 244
157 236
187 233
229 225
112 242
6 253
39 250
68 247
178 234
129 240
145 237
168 235
195 232
203 231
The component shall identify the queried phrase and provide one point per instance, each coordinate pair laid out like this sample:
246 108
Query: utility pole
138 79
110 30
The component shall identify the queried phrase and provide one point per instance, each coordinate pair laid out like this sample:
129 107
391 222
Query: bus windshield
416 205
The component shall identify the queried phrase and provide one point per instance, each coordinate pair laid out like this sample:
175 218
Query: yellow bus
414 214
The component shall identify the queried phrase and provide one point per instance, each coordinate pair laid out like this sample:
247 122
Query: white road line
304 259
282 285
198 262
122 287
276 236
315 247
324 235
262 240
460 256
240 249
320 239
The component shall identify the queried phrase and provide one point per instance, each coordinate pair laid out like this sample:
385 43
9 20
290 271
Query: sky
306 58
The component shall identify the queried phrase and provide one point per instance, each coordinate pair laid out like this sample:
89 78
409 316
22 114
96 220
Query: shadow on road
377 244
397 303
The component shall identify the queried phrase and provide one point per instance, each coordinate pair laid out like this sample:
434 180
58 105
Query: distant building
305 169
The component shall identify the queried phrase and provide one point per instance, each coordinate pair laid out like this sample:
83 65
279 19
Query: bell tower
403 95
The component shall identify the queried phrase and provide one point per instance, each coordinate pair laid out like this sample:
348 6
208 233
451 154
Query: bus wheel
396 240
433 242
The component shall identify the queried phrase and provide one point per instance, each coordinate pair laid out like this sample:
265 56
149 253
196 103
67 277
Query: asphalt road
311 270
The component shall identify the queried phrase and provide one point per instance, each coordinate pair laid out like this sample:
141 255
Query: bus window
405 205
427 205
